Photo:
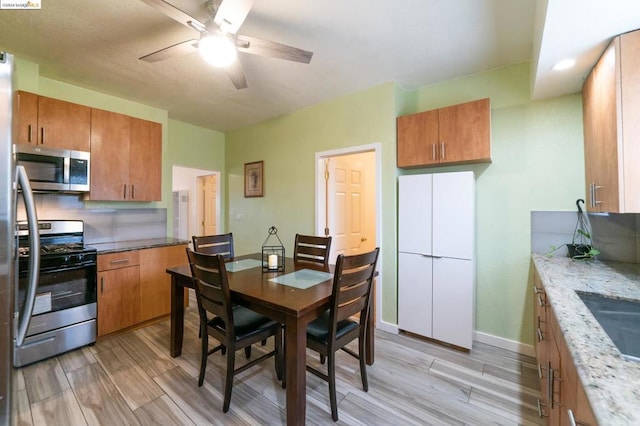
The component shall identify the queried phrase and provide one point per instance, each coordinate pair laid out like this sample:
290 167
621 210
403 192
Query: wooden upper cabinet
418 139
611 107
109 155
53 123
126 156
456 134
145 160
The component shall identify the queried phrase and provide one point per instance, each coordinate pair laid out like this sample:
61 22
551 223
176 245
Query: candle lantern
272 252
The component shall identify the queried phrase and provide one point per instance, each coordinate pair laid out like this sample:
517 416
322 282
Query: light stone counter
611 382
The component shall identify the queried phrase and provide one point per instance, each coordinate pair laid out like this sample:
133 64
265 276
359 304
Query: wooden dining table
291 306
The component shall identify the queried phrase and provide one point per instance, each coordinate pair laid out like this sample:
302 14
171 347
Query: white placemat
241 265
303 278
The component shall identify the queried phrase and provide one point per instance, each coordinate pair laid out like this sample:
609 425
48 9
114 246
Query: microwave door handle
34 255
66 171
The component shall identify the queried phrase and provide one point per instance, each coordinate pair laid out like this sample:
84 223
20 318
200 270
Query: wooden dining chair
214 244
311 249
234 326
334 329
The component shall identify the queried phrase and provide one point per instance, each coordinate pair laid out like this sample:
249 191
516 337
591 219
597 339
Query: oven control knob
80 257
67 259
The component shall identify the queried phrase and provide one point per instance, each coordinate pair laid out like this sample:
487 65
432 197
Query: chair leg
247 352
228 381
204 355
331 373
363 365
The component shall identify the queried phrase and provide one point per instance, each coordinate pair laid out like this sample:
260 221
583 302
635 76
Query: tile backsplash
101 225
617 236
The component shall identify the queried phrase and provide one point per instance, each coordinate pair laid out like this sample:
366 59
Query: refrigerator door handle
34 255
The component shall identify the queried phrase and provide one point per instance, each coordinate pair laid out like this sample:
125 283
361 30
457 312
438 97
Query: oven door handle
34 256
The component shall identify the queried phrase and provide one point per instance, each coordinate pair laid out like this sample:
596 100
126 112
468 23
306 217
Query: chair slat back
211 284
214 244
313 249
352 283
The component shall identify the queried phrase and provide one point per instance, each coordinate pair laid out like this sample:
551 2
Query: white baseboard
388 327
489 339
501 342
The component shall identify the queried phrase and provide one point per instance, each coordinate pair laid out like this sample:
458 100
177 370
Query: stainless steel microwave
54 170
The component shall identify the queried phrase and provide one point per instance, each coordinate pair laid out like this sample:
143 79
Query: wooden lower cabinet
563 398
155 283
118 299
133 286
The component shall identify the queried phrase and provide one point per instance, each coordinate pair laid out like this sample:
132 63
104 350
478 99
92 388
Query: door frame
320 214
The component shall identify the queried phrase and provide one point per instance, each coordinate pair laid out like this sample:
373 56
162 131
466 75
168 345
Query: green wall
537 164
288 145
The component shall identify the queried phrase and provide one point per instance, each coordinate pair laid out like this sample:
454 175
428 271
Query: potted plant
581 246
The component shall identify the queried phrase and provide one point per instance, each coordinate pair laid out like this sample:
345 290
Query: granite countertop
611 382
114 247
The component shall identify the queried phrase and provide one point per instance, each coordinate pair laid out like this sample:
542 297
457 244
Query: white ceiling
357 44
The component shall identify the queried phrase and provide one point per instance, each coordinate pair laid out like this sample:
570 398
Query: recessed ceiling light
564 64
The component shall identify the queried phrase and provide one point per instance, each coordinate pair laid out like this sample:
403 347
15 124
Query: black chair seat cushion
318 329
246 321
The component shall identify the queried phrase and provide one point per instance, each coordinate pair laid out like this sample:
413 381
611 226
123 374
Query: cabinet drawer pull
114 262
540 335
536 290
540 301
572 420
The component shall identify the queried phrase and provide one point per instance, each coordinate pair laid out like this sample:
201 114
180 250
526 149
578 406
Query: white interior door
350 203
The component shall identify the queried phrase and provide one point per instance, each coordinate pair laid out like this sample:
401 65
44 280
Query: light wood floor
130 379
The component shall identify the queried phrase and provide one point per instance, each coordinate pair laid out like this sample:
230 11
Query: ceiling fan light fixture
217 49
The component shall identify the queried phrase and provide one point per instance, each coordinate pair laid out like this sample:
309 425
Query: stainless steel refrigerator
13 325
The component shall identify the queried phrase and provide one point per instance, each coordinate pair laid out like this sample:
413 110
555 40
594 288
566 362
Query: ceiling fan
218 43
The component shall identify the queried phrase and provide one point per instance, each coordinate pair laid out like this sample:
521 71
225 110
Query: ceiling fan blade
178 49
231 14
236 74
272 49
176 14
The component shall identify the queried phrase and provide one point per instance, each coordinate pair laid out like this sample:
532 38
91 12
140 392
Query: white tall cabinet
436 268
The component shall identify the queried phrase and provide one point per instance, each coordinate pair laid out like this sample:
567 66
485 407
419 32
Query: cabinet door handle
101 284
42 135
540 405
540 301
540 335
433 151
124 194
133 192
442 152
30 139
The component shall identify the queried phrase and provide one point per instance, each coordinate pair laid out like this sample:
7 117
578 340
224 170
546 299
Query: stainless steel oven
64 307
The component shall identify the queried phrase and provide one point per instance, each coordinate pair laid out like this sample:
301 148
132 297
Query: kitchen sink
620 319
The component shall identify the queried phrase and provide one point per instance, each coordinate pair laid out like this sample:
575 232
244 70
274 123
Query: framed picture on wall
254 179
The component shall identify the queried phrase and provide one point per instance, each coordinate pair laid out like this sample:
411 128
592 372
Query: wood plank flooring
130 379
